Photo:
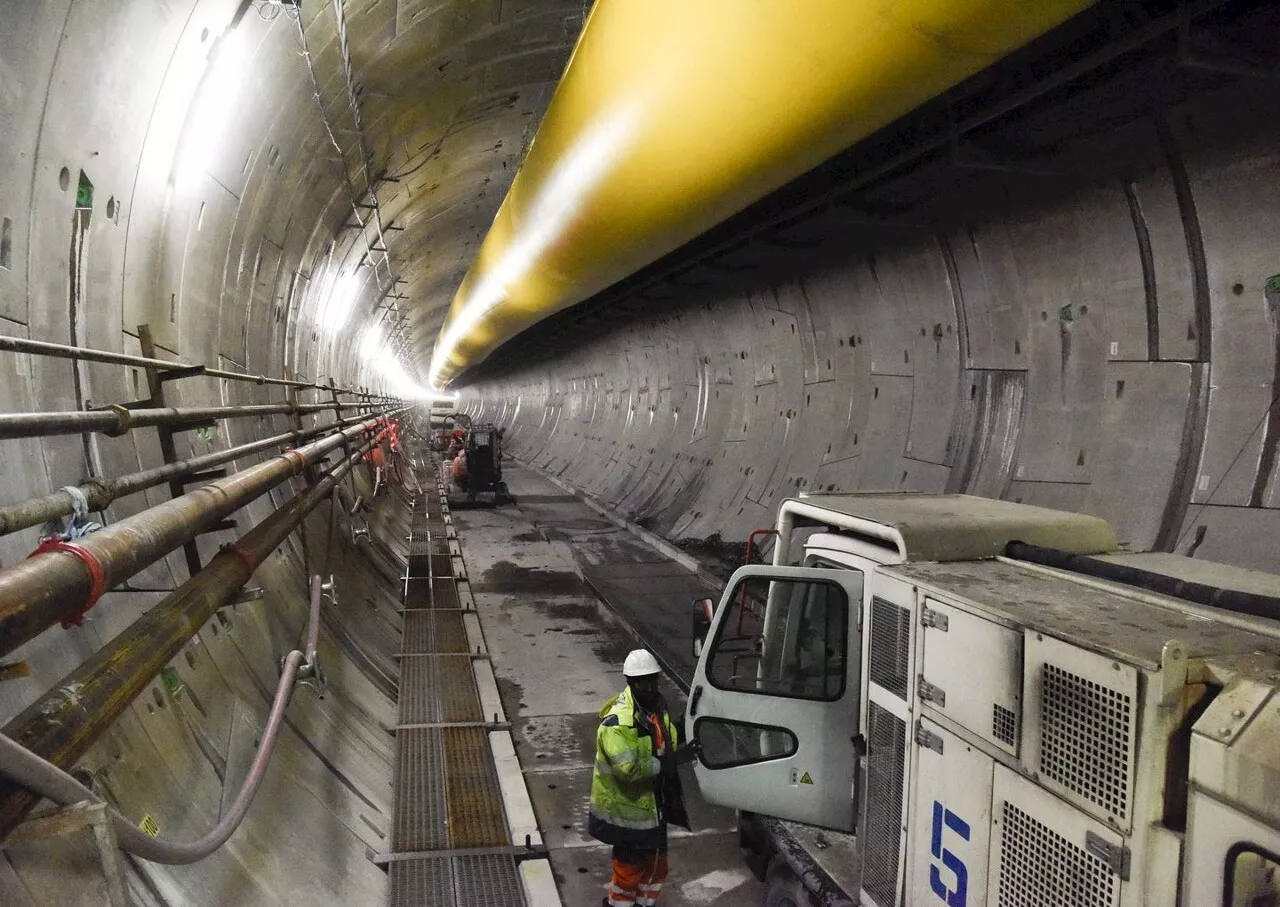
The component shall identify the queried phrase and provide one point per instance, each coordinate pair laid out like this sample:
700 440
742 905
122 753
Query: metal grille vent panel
1040 868
1004 724
1086 732
890 646
886 762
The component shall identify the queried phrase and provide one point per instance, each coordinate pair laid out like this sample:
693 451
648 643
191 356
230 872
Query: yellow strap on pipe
675 114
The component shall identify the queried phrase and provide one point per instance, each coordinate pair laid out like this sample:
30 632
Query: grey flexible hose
44 778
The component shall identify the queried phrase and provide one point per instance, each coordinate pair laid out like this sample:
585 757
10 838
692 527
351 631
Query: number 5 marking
959 897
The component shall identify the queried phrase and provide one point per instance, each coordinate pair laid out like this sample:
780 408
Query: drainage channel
463 830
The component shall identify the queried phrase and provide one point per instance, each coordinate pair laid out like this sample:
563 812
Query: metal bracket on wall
155 385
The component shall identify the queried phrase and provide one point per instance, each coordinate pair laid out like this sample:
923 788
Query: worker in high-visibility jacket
635 789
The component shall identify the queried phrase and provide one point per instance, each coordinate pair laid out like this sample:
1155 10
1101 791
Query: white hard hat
640 664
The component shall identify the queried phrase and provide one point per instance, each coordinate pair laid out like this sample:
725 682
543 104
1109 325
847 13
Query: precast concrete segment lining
833 371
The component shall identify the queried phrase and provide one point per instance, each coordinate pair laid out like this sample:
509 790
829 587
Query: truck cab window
1252 877
782 638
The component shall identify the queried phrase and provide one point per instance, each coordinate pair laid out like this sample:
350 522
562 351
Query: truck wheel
784 889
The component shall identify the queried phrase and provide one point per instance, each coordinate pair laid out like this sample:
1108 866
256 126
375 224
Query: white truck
959 701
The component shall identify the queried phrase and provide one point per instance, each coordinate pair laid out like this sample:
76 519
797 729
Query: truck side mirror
703 610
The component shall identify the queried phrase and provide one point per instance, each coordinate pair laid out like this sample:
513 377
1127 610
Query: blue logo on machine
944 818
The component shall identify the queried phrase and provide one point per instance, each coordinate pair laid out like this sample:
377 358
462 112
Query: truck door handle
693 701
859 745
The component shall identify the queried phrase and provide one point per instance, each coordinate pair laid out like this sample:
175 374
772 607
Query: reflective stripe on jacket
625 806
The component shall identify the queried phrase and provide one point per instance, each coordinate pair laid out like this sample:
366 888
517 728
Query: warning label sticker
805 779
148 824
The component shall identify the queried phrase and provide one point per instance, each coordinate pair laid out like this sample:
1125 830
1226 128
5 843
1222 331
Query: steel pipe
46 779
313 619
60 585
99 493
61 728
117 420
63 351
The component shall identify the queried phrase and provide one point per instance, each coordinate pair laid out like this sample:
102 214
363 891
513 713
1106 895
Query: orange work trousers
637 877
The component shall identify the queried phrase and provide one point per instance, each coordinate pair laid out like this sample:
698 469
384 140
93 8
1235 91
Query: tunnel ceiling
449 95
1091 75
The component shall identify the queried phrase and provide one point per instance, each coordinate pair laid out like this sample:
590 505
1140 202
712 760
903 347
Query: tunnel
688 261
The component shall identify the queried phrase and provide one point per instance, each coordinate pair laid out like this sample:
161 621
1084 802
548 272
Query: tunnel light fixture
375 352
336 310
207 119
372 346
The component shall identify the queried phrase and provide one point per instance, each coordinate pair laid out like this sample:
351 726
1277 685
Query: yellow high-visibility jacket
631 801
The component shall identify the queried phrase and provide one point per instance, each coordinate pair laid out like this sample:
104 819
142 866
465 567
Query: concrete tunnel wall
955 353
1097 333
229 260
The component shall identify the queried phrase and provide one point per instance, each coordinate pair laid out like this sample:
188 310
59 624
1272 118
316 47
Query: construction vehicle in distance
949 700
440 410
473 462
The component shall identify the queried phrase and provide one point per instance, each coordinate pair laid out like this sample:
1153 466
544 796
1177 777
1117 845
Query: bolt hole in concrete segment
557 654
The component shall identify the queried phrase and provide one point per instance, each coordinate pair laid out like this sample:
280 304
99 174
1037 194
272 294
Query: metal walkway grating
433 631
475 800
445 597
447 796
438 688
465 881
419 817
419 633
451 633
417 593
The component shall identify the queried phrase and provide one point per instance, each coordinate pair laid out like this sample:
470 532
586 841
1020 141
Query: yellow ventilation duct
675 114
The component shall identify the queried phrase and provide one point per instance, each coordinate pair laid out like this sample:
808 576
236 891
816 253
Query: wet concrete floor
557 652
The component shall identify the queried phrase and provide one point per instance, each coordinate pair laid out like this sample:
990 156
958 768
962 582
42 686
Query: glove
688 753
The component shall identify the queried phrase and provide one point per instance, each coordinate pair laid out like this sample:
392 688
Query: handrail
61 728
63 351
99 493
116 420
61 584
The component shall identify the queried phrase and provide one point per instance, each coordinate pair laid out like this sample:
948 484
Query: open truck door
775 697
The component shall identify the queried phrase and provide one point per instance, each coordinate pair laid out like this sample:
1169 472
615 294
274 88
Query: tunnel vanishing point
693 258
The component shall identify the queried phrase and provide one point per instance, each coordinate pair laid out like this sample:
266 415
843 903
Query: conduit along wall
60 728
204 657
176 760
